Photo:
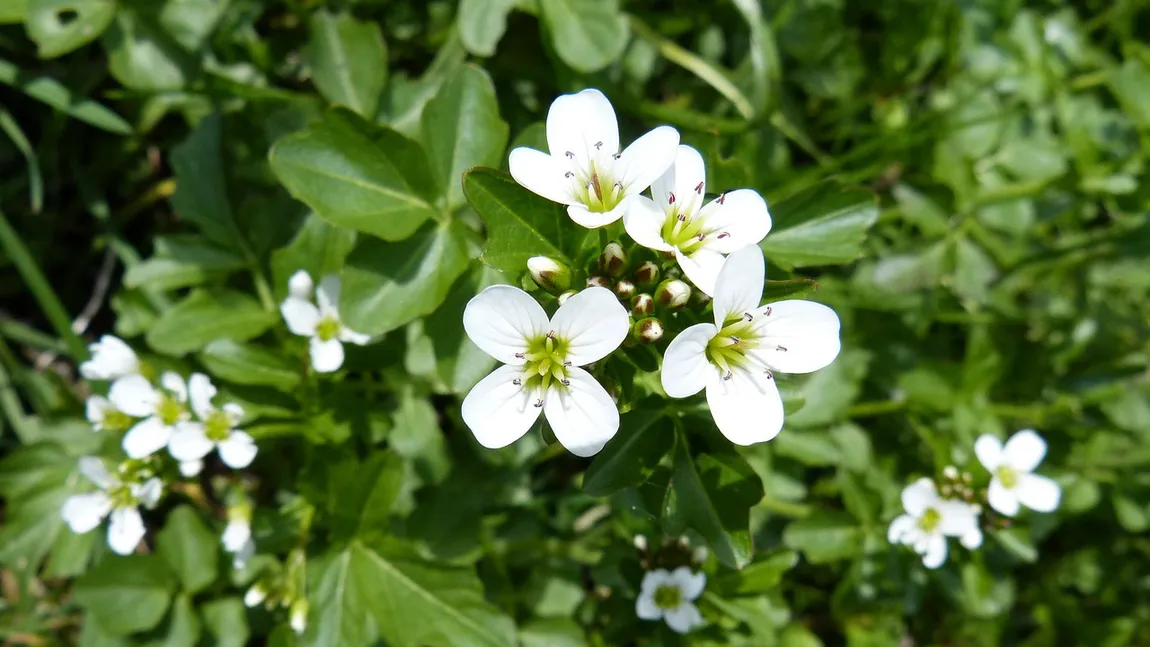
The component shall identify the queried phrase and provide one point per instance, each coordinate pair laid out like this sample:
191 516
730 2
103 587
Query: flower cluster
932 514
680 234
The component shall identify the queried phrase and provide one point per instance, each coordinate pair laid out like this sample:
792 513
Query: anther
550 334
724 235
520 355
699 187
617 156
734 339
566 382
728 376
749 316
782 348
517 382
670 198
701 236
618 185
566 363
538 403
722 196
768 311
570 155
682 217
568 175
770 375
598 145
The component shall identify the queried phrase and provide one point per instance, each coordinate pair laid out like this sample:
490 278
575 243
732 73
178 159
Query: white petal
501 319
111 359
93 468
654 579
899 528
300 316
189 443
683 619
300 285
134 395
1038 492
593 323
173 383
577 122
703 267
352 337
245 553
236 535
238 451
327 295
919 496
684 175
797 336
958 518
741 219
935 553
148 493
646 159
188 469
235 412
740 284
685 367
200 393
691 584
126 530
988 449
1024 450
498 411
646 608
595 219
747 408
1001 499
542 174
146 438
326 356
972 539
254 596
582 414
83 512
644 223
96 409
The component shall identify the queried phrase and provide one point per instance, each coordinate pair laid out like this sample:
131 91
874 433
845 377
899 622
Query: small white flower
215 429
736 357
188 469
671 596
300 285
322 324
541 373
255 595
117 499
104 416
585 169
298 616
162 410
1013 482
700 236
111 359
930 519
237 539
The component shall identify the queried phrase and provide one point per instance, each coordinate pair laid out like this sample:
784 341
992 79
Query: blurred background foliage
1005 284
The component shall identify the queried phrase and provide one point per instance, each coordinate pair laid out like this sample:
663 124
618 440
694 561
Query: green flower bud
549 274
566 295
648 331
673 294
646 274
613 260
598 282
624 288
642 305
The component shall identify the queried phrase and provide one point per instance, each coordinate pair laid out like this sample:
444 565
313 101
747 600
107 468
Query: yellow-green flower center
729 349
546 362
116 420
218 426
668 597
599 191
328 328
170 409
1008 476
121 496
929 520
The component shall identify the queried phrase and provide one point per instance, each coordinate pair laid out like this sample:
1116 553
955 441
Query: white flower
111 359
162 410
541 373
117 499
104 416
736 357
215 429
671 596
585 169
322 324
237 539
1012 479
929 520
255 595
676 220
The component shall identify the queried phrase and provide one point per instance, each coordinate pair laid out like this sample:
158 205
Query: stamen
782 348
568 175
770 375
682 217
517 382
699 187
598 145
520 355
749 316
722 196
538 403
670 198
768 311
566 363
619 185
617 156
701 236
729 375
570 155
566 382
724 235
734 339
550 334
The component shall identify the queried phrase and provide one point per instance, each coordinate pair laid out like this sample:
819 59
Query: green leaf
319 248
762 576
519 223
360 495
189 548
348 61
824 537
13 12
356 176
1131 86
52 92
203 317
644 437
182 261
552 632
458 362
181 629
829 392
482 24
249 364
35 480
587 34
462 129
824 225
60 26
142 55
788 289
201 191
713 494
227 621
126 594
386 285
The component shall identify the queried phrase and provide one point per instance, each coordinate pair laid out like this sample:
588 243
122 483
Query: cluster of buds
283 588
956 485
672 553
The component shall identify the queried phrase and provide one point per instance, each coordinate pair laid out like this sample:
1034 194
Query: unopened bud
598 282
624 288
298 619
950 472
640 542
672 293
255 595
549 274
649 330
566 295
300 285
642 305
700 554
646 274
613 260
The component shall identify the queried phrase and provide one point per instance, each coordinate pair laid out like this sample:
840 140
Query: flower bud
624 288
950 472
298 615
566 295
255 595
642 305
300 285
672 294
646 274
598 282
549 274
648 331
640 542
613 260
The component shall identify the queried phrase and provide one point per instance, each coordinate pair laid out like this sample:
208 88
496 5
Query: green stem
53 309
9 400
866 409
25 334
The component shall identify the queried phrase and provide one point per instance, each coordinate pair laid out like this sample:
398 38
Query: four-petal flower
117 499
1013 482
215 429
670 596
321 324
930 519
163 410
